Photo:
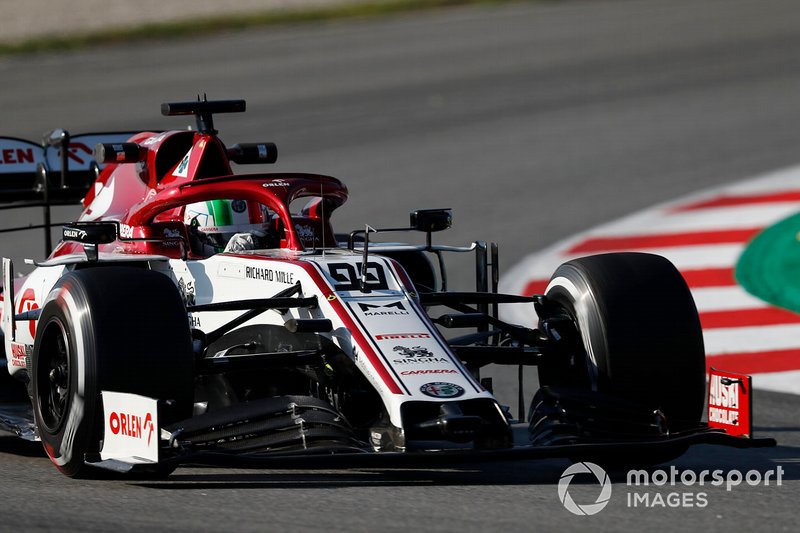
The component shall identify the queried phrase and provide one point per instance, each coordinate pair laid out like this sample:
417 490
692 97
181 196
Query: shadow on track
18 446
520 473
507 474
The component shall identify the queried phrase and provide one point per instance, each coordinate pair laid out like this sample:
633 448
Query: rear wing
59 171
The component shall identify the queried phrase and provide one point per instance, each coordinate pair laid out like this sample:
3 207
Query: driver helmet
218 220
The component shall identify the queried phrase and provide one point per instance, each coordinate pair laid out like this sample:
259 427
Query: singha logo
306 233
416 351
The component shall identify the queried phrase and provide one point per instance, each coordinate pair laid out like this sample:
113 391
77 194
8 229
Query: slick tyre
120 329
639 330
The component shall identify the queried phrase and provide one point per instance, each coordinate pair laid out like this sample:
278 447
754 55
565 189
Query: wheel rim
579 370
53 377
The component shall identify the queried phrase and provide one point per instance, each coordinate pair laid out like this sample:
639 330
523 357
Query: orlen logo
75 148
74 233
16 156
131 425
28 303
276 183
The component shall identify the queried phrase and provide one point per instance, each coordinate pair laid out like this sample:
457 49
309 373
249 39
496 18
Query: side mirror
91 233
430 220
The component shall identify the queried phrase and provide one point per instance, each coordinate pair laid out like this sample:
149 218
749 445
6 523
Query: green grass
222 23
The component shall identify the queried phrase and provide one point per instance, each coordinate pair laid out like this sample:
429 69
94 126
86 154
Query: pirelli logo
395 336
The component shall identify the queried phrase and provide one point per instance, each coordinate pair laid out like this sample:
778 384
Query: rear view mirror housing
91 233
431 220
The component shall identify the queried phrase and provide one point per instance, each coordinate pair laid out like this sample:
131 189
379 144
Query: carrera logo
396 336
125 231
131 426
395 308
424 372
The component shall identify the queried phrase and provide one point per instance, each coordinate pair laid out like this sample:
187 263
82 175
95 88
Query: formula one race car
194 315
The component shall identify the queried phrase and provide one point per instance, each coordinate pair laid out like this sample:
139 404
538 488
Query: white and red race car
191 314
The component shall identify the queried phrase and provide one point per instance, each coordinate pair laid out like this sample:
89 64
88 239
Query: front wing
134 439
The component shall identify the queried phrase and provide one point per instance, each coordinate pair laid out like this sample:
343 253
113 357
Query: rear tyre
640 333
121 329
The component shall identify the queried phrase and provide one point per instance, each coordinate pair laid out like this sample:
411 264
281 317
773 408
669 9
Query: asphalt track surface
532 122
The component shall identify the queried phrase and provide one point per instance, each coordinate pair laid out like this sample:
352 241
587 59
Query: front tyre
640 333
121 329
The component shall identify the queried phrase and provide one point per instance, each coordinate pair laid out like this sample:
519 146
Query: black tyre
640 333
121 329
418 267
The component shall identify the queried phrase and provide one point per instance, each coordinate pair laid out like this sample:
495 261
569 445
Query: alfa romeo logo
587 509
442 390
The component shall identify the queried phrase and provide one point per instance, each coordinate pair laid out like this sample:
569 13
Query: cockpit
230 225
